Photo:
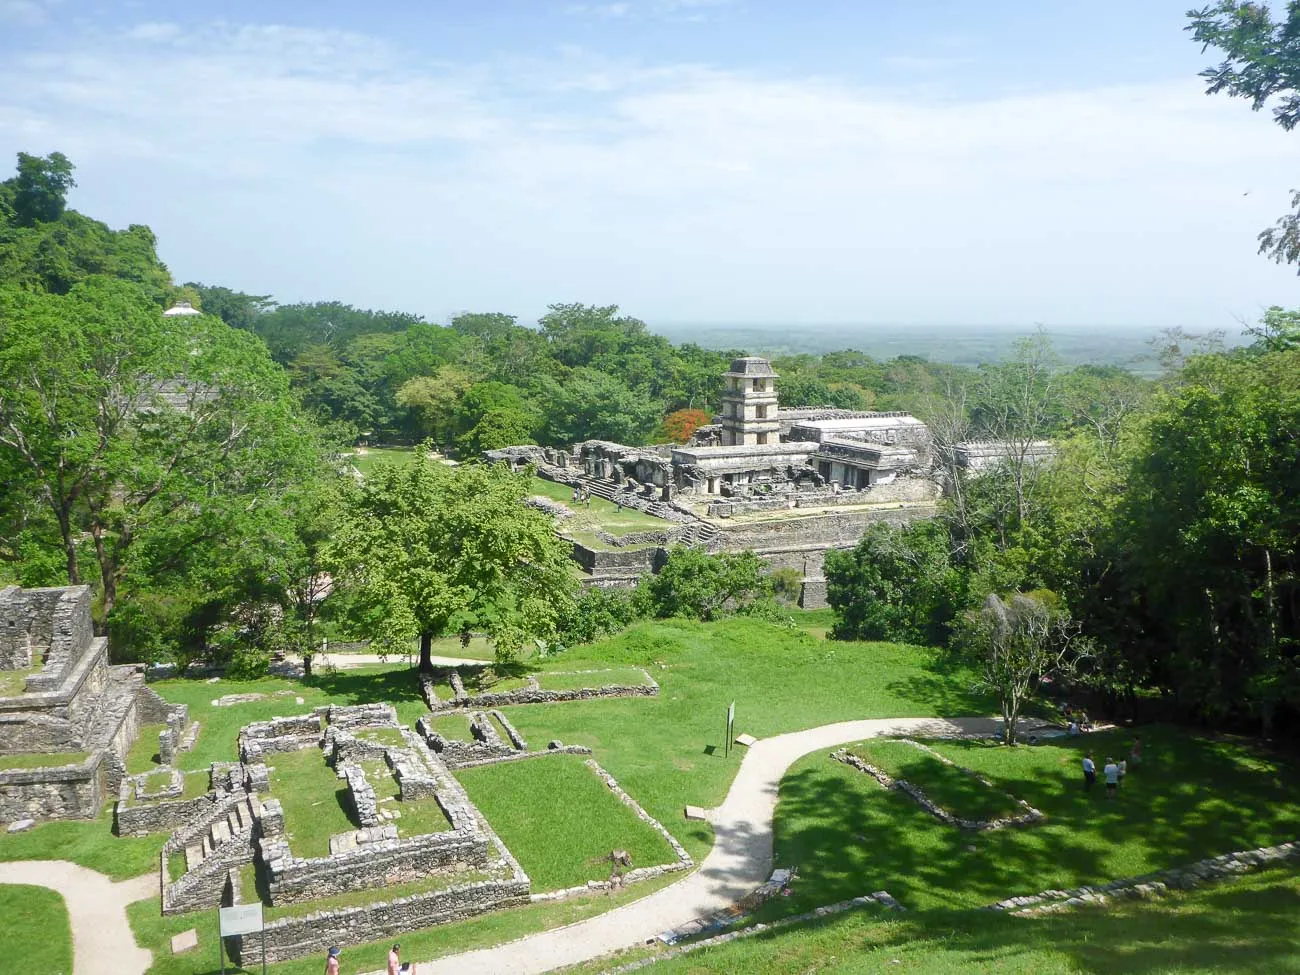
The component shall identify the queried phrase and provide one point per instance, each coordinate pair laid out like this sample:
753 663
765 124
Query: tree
696 584
591 405
1018 641
435 401
1262 64
40 189
130 423
897 584
680 425
495 429
428 550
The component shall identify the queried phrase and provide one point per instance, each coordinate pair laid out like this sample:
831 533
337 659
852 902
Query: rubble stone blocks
185 941
362 794
535 695
696 813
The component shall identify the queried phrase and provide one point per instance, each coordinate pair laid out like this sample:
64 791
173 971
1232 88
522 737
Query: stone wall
66 792
139 819
293 880
314 933
538 696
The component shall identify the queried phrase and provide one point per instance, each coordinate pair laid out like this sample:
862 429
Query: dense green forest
192 469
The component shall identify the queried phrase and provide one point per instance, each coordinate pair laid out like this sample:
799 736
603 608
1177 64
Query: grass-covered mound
34 930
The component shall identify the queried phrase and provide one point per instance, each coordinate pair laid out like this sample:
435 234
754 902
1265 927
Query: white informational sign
731 714
241 919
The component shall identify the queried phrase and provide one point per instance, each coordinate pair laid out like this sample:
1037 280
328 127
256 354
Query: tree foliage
428 550
696 584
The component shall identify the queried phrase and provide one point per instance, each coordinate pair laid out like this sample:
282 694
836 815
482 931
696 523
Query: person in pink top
394 963
332 962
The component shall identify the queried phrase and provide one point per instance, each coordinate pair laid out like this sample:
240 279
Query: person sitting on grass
1111 771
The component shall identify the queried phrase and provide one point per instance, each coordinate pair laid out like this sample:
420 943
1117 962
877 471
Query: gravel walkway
741 858
101 937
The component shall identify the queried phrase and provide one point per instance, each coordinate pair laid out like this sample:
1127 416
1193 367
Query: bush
702 586
597 613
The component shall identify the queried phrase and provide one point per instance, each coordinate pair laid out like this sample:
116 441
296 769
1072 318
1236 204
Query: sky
788 162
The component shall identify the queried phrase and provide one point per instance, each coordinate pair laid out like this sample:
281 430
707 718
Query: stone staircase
236 824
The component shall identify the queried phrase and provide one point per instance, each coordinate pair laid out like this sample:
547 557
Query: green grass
316 803
34 930
90 843
387 737
1194 797
628 676
14 682
571 820
667 750
365 459
952 789
454 727
42 759
602 514
1247 924
418 817
143 756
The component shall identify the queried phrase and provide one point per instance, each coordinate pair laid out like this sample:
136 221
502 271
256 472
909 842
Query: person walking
1089 772
1135 754
1111 771
332 962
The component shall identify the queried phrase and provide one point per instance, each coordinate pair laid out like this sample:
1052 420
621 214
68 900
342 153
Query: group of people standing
582 496
1113 771
395 964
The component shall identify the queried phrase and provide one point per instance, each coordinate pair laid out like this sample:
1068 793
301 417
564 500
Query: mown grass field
950 788
1192 797
34 931
1249 924
560 821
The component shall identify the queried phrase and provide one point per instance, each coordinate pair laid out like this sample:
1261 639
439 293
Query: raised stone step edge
881 897
918 795
1152 884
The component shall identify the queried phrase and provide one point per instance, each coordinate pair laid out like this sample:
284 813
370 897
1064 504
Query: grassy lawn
35 931
42 759
316 803
90 843
952 789
1248 924
627 676
14 682
418 817
667 750
602 514
568 821
454 726
364 459
1193 797
143 755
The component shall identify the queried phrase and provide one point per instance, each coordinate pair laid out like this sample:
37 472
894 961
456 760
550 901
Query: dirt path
741 858
101 937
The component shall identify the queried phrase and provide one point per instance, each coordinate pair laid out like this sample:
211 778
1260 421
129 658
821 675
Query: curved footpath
101 936
741 858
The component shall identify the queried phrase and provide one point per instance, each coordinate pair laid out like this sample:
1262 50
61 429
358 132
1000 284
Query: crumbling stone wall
538 696
140 819
400 861
64 792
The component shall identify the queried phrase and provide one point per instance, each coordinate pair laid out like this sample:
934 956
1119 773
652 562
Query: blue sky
742 161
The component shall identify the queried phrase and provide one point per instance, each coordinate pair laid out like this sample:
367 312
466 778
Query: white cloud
324 163
677 10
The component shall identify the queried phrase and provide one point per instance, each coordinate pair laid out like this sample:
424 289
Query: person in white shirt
1089 772
1111 771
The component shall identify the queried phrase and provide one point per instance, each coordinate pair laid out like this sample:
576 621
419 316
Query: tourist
1123 770
1089 772
1074 728
332 962
1135 755
394 963
1111 771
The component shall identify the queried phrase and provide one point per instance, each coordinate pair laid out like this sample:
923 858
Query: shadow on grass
1190 799
360 687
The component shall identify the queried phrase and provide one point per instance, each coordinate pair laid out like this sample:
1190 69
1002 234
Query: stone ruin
787 482
65 700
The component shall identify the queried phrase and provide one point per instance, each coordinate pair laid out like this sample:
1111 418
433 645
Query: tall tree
428 550
1262 64
40 190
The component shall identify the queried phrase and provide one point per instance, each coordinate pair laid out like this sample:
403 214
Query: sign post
731 725
241 919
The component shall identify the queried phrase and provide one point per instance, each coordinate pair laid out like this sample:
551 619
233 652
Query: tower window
762 438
